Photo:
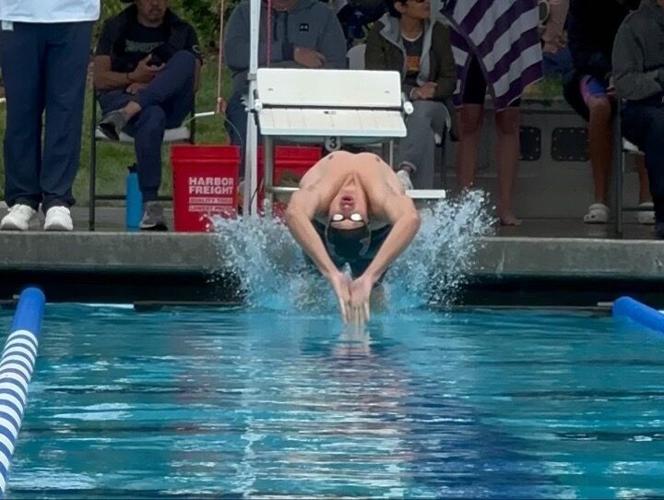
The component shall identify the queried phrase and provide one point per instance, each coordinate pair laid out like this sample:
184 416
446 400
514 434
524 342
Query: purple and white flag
503 35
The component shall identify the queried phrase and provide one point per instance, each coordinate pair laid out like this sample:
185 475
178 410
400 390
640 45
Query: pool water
484 404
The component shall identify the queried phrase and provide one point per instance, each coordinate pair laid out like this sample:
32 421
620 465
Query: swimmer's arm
402 214
299 214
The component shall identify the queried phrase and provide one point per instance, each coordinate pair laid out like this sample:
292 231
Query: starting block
331 107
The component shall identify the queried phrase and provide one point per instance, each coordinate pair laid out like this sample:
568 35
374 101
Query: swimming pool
481 404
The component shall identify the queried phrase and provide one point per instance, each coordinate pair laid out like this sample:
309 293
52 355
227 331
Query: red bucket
290 165
205 180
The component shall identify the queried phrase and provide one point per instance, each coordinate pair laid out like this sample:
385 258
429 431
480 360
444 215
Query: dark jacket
638 54
385 51
591 28
311 24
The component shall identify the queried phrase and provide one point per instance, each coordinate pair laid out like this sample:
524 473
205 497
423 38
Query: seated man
405 40
638 72
304 33
146 71
352 209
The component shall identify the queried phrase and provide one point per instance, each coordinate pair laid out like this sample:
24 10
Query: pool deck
542 262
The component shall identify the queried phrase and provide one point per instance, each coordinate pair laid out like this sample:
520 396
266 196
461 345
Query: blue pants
44 68
643 124
165 103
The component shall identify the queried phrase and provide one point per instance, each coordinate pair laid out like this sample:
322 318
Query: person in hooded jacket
407 41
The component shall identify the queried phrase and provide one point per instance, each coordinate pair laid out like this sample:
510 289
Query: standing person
44 50
590 93
553 37
405 40
557 60
147 67
638 72
498 48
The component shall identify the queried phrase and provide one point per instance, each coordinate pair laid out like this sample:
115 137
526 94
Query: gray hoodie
638 53
311 24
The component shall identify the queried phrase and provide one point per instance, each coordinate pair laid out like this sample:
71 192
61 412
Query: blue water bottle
134 205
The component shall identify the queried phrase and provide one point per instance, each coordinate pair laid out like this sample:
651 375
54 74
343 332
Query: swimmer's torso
376 178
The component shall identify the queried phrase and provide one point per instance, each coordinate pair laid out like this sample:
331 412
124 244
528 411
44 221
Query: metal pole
92 207
618 174
268 152
251 144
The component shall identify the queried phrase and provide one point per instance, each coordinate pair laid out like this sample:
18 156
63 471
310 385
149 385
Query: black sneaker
112 124
153 217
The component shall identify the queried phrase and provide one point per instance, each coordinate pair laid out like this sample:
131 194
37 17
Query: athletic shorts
474 89
589 86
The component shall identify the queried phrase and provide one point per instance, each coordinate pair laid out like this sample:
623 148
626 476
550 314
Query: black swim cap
348 243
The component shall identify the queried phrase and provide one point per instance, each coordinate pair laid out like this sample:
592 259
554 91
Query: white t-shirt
49 11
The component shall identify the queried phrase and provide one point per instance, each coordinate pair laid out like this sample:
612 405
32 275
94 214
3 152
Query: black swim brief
360 264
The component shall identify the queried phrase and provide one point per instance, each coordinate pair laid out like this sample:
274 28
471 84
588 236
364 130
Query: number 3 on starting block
333 143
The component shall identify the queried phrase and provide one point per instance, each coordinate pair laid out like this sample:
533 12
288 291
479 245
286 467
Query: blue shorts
589 86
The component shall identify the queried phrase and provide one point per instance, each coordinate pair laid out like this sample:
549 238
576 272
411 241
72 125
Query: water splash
435 267
270 265
275 275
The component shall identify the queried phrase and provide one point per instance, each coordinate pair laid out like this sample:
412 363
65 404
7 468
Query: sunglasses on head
354 217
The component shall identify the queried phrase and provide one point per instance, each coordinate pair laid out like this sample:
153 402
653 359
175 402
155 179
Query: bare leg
600 145
470 128
507 158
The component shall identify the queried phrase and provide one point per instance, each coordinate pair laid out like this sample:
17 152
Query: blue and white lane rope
16 365
627 307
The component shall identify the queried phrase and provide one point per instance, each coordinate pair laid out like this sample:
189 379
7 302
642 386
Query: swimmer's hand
360 297
341 284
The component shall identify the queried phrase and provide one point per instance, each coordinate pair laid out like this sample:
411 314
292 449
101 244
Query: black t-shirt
413 56
127 41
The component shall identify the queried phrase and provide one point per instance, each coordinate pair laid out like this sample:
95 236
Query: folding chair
184 133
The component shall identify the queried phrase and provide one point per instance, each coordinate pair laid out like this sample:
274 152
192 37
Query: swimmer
352 209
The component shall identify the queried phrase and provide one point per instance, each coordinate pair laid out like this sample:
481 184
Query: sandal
598 213
646 213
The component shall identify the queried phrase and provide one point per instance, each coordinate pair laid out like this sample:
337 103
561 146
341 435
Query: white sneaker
404 178
58 219
18 218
